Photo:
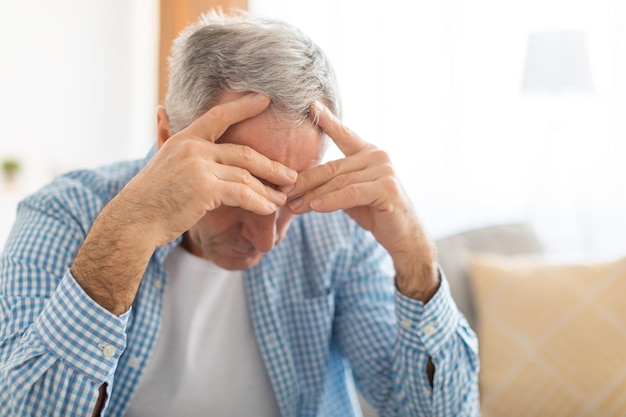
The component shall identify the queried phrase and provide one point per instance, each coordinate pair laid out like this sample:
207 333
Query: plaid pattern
323 306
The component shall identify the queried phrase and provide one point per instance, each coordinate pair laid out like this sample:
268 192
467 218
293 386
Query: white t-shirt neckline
207 359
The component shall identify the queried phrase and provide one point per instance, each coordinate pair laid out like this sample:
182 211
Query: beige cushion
454 252
552 337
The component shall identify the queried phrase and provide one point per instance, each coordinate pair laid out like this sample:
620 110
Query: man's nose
260 231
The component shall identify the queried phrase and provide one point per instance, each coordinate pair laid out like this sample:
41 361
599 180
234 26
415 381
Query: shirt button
108 351
429 329
406 324
134 362
158 284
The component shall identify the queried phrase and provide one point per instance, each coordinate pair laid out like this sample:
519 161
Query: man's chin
233 263
227 257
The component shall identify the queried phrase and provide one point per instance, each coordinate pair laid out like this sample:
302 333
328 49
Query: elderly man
230 273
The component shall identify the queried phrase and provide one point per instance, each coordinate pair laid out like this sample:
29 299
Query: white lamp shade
556 63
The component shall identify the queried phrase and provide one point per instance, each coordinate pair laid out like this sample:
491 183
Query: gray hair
243 53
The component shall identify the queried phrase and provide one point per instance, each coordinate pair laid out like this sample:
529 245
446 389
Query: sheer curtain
438 85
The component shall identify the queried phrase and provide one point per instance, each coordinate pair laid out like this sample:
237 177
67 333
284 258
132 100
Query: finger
373 175
240 195
256 163
324 173
212 124
348 142
351 196
240 176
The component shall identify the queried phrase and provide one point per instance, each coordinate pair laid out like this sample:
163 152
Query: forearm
111 261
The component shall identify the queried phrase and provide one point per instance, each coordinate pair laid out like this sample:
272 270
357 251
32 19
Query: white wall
438 85
78 86
78 81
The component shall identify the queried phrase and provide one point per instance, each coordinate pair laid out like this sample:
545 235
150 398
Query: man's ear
163 126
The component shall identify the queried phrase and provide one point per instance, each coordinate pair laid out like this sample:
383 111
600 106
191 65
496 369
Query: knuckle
186 156
246 153
387 170
390 183
217 113
212 203
345 130
340 181
274 168
245 177
207 182
195 167
212 200
332 169
244 193
353 192
187 148
379 155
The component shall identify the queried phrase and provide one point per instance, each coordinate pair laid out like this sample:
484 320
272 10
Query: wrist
419 283
417 276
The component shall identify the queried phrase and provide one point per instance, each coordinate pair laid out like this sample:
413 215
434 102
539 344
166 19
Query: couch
552 334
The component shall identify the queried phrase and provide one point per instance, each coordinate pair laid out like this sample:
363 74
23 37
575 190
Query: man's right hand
189 175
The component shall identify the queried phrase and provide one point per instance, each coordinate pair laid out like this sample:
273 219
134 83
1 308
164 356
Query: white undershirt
207 360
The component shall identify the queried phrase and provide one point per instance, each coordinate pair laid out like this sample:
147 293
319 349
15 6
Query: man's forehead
299 147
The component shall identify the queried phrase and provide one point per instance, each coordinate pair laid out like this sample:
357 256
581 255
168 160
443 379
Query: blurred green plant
10 168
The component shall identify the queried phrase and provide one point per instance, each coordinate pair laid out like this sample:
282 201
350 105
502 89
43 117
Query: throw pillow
552 337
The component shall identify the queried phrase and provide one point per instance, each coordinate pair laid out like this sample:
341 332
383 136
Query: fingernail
316 204
291 174
319 107
279 197
259 97
287 188
295 203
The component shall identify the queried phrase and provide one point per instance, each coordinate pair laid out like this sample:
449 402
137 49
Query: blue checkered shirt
323 305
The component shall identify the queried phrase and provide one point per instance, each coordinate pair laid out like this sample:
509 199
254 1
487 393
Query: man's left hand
364 184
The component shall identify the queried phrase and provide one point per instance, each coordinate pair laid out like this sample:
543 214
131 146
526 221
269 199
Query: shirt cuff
80 332
431 324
